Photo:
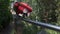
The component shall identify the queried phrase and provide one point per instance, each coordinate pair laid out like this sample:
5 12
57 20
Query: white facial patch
25 11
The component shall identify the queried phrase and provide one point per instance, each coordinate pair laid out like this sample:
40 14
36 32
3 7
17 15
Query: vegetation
5 15
43 10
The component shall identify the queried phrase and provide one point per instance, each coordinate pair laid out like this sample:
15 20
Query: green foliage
5 15
47 10
43 9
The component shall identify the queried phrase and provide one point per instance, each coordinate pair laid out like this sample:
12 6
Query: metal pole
49 26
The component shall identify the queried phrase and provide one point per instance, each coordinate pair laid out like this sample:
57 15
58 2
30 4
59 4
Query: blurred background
47 11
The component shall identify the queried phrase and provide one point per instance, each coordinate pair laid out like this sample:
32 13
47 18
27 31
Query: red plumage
21 6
